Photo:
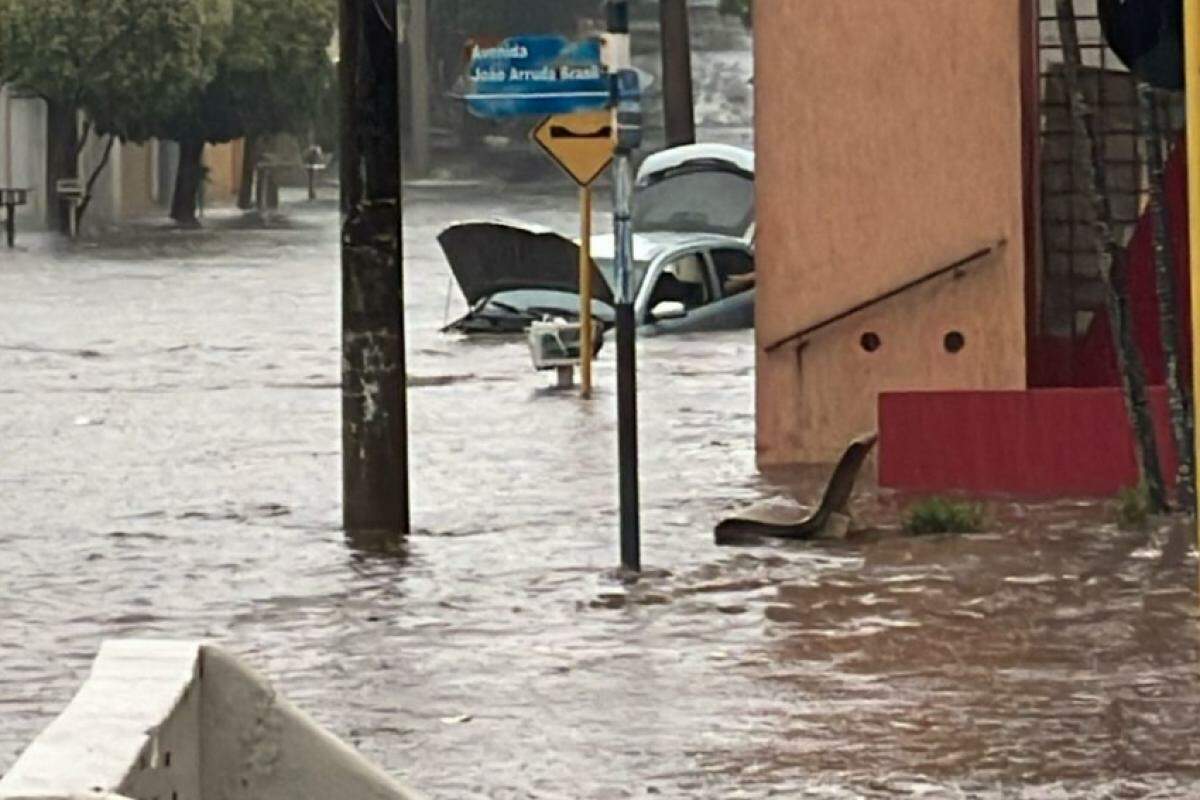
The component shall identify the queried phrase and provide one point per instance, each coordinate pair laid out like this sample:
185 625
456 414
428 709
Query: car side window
684 280
735 270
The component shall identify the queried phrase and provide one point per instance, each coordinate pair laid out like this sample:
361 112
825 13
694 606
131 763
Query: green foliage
739 8
1133 508
126 63
217 69
937 515
270 77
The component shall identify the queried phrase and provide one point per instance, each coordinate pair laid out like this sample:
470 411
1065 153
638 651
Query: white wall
23 153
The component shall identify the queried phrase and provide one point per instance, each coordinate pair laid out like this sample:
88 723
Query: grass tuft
1133 508
938 515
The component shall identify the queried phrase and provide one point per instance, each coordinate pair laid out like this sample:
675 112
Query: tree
740 8
120 62
271 77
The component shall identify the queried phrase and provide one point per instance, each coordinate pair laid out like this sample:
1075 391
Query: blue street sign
537 76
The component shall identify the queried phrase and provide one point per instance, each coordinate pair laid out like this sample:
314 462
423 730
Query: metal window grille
1070 288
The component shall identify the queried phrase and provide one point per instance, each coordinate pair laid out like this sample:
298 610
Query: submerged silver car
693 250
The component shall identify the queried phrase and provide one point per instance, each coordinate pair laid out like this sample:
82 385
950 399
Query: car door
733 268
677 284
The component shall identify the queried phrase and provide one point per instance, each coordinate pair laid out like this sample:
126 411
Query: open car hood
491 257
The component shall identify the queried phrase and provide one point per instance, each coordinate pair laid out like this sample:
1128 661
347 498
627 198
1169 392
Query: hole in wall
954 342
167 758
870 341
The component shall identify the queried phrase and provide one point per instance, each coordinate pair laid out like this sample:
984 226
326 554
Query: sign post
548 75
627 124
582 144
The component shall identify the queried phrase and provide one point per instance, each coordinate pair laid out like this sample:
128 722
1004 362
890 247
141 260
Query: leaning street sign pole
374 409
627 131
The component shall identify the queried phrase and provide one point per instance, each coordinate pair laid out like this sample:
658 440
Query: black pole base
631 545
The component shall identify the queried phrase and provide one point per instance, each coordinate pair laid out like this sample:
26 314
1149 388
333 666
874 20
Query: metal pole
374 409
631 557
10 224
618 29
678 101
586 344
1191 27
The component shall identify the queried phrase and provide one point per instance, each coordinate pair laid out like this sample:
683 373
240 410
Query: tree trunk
187 182
1113 268
1182 424
62 135
245 198
374 404
678 101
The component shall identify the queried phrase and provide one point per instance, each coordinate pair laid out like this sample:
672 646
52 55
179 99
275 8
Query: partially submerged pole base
374 403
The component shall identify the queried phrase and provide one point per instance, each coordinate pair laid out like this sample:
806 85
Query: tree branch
87 130
91 184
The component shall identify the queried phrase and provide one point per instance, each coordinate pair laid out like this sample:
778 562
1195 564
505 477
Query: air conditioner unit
556 344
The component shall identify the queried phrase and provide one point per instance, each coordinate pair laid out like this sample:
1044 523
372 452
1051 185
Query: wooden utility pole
678 102
374 408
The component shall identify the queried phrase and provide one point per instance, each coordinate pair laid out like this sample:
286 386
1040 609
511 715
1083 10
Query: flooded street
170 467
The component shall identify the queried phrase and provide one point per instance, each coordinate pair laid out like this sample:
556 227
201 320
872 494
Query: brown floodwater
169 467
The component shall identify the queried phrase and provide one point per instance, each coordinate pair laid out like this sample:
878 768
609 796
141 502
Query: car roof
675 157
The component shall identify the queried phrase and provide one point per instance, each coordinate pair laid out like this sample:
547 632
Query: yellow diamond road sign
582 144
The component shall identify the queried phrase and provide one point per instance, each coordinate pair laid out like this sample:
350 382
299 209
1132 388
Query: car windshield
708 201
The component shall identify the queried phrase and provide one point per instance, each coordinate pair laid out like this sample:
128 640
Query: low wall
186 721
1033 444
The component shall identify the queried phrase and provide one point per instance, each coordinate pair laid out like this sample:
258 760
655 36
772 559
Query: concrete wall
187 721
224 162
23 152
889 144
139 196
126 189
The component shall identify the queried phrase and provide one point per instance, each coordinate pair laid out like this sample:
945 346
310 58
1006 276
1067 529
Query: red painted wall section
1092 360
1034 444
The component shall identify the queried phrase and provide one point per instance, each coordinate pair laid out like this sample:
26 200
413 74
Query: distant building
136 183
23 152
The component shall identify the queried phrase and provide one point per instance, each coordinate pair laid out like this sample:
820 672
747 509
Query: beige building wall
224 162
889 144
137 166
